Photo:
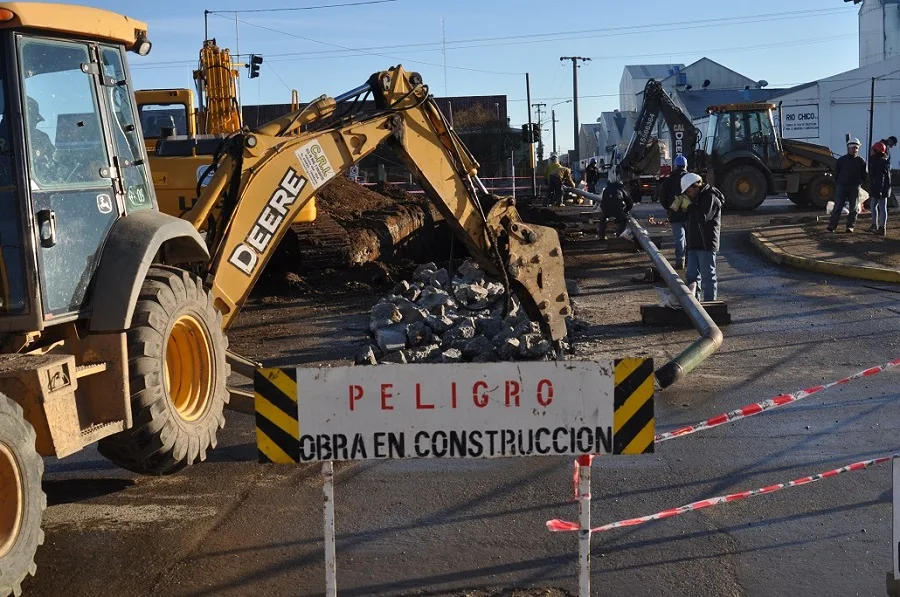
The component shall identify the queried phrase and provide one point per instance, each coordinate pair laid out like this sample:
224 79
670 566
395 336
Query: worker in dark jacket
592 176
704 225
615 203
671 188
879 187
849 175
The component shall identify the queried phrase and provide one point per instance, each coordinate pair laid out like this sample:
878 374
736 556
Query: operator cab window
155 117
65 138
128 144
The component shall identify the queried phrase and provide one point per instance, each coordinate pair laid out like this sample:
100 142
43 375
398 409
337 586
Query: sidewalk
860 255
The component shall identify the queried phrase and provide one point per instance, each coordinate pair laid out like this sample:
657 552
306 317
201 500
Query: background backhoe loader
107 335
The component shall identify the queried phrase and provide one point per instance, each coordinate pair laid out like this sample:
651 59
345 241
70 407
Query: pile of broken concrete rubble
438 319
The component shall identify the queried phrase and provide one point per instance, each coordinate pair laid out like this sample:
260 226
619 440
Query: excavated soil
357 225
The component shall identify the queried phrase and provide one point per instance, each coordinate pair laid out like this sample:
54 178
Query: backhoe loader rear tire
177 372
745 188
22 501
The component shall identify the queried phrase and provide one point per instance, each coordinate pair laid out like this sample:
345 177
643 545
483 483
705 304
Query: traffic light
536 132
255 61
527 133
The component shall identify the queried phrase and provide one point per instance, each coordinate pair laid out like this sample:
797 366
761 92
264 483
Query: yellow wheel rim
744 186
189 368
11 500
825 191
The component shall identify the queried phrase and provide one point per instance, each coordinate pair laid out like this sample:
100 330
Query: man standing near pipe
849 175
671 188
704 224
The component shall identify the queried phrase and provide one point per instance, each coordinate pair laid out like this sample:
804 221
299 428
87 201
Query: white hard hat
853 141
689 180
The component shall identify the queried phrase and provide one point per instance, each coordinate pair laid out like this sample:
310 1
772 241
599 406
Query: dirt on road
884 250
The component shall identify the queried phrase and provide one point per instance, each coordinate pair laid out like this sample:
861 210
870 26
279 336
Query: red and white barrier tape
778 401
564 526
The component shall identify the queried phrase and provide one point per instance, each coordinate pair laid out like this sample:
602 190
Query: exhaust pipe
710 335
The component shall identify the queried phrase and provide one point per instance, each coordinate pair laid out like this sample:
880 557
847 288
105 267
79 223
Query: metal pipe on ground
710 335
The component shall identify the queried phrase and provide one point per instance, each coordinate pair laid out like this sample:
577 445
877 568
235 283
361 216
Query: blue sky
303 49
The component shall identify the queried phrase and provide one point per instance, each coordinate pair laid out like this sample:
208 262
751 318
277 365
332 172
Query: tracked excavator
108 333
742 154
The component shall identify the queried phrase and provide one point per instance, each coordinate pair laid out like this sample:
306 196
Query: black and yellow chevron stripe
277 424
634 425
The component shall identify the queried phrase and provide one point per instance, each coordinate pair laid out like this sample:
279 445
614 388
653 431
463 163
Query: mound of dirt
344 199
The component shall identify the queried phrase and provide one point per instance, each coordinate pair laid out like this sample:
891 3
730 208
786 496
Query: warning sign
315 162
455 411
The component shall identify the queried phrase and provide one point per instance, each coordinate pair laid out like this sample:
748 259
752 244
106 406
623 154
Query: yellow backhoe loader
108 334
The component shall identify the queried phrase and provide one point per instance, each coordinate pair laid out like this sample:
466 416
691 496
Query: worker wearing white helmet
703 228
849 175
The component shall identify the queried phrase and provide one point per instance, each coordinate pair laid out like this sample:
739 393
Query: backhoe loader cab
101 337
742 130
747 158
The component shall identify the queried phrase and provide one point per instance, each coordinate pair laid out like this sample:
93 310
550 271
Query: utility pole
553 116
540 117
531 165
575 60
871 115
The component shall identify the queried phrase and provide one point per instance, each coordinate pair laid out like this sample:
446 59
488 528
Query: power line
293 9
547 37
325 43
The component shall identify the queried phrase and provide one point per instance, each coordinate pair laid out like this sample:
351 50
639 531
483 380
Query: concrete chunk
534 346
418 333
438 324
391 337
508 350
398 357
479 347
366 356
463 330
451 355
432 298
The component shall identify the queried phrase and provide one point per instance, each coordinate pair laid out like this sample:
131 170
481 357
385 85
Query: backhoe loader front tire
745 188
22 501
177 373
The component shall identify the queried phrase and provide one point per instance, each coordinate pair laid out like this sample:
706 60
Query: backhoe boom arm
264 178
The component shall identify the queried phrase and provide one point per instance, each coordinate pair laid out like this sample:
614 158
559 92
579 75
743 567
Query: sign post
893 577
584 521
466 410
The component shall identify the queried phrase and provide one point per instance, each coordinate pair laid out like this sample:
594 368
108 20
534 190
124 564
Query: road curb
777 255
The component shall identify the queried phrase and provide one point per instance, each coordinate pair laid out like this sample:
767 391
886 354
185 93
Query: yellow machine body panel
82 21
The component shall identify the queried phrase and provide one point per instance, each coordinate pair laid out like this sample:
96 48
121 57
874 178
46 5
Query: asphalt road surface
233 527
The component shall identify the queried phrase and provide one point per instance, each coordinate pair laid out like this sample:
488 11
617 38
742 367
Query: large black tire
745 188
800 198
177 372
820 191
22 501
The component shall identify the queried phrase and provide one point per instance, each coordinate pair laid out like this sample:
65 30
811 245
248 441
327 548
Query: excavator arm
265 177
684 135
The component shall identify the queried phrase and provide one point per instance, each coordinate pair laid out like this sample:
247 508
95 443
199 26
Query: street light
553 118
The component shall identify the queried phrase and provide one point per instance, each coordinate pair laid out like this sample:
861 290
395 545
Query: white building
635 77
828 110
879 31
